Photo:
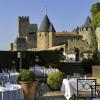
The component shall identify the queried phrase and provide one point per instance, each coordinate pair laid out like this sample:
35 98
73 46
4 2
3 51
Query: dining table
11 92
11 77
69 87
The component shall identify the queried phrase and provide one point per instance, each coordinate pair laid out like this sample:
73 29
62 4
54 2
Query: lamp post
20 57
36 60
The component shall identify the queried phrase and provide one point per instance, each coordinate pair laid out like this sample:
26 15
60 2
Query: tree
95 8
95 13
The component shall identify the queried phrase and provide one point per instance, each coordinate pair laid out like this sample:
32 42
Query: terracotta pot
29 89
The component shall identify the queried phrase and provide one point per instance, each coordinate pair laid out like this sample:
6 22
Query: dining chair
95 91
84 88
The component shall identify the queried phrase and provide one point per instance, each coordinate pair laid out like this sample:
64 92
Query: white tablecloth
11 92
13 77
9 77
67 88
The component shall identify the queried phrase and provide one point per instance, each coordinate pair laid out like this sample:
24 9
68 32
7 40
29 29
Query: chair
84 88
95 91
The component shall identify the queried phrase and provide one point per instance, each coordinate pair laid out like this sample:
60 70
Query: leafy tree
95 8
95 13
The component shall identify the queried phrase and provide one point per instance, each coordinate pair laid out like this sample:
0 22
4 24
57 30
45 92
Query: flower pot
29 89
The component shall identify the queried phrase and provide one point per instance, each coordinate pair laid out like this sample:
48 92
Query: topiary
26 75
55 79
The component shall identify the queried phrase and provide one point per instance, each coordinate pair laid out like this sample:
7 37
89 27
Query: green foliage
95 13
55 79
96 20
95 8
96 61
28 58
26 75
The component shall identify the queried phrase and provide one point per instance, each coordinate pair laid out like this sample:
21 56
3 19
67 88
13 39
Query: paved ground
54 95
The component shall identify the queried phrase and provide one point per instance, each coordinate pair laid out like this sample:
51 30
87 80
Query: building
30 37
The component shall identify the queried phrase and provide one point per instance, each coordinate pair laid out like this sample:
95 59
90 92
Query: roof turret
87 23
44 27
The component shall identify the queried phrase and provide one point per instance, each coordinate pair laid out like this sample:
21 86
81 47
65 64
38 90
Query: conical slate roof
51 28
87 23
76 29
44 27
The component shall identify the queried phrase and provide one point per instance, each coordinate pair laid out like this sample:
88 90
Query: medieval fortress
30 37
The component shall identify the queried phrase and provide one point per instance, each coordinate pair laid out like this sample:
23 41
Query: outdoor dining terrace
74 72
73 87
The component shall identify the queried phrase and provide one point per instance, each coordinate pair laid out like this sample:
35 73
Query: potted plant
27 80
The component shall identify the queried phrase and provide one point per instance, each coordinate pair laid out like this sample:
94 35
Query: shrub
55 79
26 75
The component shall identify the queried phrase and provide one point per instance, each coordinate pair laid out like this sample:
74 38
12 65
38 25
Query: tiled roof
87 23
33 28
51 28
44 27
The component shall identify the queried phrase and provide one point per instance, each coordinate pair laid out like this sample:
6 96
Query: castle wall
19 47
31 41
64 39
87 35
81 44
51 39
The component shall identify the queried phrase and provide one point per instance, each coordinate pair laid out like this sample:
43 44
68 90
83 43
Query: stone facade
30 37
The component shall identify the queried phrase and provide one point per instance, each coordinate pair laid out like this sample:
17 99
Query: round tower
44 35
86 31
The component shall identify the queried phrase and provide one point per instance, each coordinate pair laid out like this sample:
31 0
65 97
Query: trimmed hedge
55 79
28 58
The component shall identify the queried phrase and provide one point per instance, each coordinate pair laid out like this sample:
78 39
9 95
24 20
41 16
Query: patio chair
95 91
84 88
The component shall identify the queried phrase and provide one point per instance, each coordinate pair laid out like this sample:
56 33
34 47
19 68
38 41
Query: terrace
11 90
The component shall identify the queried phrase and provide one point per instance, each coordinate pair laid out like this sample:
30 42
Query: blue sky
64 14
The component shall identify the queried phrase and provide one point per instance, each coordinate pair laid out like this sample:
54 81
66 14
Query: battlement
85 28
23 18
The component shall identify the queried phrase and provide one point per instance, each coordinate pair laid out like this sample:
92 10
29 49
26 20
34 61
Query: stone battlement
23 18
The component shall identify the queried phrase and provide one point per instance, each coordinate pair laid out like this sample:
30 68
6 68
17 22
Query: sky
64 14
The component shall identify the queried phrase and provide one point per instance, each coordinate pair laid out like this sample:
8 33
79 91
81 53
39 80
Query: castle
30 37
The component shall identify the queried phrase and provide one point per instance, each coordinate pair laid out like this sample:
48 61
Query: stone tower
45 36
23 26
86 31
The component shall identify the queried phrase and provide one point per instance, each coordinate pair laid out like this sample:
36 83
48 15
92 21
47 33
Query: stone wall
96 71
